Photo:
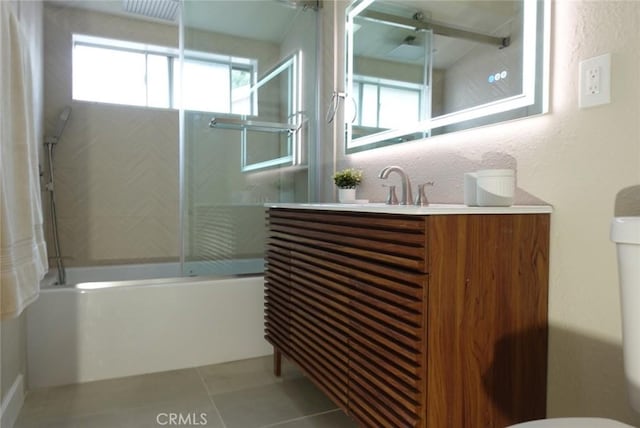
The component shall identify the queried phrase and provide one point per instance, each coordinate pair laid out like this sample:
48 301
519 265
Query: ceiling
214 15
377 40
268 19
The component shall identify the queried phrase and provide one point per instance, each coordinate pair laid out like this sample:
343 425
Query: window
221 87
385 103
117 72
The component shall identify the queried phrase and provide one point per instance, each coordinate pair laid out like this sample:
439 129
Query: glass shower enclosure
249 104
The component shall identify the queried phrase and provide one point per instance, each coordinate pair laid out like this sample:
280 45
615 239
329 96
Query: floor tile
173 414
242 394
112 420
201 413
332 419
105 396
245 374
270 404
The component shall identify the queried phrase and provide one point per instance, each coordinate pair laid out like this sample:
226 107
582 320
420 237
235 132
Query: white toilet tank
625 232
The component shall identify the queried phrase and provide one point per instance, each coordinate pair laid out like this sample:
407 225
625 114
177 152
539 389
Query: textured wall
577 161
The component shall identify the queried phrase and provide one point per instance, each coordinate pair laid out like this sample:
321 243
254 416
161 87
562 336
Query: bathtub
98 330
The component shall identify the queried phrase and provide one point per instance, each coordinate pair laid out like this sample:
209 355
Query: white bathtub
95 330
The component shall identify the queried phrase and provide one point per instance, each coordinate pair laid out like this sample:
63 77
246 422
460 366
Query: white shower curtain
23 255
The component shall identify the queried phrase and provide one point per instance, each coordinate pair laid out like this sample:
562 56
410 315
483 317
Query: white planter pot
346 195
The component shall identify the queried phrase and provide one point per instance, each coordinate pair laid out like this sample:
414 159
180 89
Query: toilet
625 232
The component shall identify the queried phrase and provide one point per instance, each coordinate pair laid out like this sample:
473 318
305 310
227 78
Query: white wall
577 161
13 366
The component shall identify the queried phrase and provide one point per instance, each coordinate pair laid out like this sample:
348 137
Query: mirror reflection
391 71
421 68
278 97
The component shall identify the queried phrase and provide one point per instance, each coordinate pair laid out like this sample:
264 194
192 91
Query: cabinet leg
277 362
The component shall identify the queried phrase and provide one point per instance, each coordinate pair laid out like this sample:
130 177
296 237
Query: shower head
408 50
62 122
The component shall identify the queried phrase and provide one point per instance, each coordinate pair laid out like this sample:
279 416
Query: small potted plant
347 180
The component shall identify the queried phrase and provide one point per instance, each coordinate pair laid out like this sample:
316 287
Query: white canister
495 187
470 184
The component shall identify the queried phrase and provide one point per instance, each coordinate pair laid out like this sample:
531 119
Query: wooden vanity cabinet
435 321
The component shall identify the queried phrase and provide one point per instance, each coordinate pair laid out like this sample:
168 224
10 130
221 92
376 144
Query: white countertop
431 209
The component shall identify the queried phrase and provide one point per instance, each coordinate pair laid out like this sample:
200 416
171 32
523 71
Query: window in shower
119 72
116 76
217 84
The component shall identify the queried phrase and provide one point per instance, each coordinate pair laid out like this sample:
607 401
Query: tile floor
241 394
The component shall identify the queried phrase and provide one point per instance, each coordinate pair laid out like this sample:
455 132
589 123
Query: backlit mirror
416 69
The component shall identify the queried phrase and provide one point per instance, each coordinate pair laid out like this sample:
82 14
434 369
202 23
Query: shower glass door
248 96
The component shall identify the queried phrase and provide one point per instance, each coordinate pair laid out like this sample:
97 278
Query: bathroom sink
431 209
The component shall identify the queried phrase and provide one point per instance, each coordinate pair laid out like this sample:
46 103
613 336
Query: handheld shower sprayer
62 122
50 143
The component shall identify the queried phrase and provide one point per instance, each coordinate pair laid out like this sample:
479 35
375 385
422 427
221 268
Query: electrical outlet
595 81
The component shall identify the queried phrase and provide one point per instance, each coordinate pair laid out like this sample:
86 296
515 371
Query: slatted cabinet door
318 310
387 345
277 294
357 309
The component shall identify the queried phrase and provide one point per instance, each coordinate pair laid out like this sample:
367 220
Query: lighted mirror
416 69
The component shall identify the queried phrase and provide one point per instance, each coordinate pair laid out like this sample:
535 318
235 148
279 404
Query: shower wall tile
112 239
117 185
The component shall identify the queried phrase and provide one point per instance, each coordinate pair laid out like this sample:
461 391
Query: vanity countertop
431 209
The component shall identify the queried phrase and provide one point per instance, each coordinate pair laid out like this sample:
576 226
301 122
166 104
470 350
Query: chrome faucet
406 198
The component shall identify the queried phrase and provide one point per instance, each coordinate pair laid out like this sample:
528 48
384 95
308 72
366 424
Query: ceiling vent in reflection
409 50
304 4
166 10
